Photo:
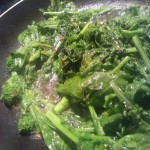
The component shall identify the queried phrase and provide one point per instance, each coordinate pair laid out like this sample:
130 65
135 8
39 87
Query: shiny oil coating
11 24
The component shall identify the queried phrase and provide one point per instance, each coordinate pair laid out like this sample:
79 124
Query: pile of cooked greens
82 78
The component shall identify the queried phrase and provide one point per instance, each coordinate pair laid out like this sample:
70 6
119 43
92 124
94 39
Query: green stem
56 121
35 56
85 28
100 138
40 44
53 13
138 22
117 68
121 96
138 44
122 63
127 102
89 22
132 33
85 130
131 50
96 122
141 69
62 105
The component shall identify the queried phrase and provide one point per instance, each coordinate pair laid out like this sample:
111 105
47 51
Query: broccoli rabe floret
10 63
26 124
12 90
15 62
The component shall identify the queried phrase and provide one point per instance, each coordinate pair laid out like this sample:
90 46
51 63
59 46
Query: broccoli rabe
12 90
83 77
51 124
26 124
10 64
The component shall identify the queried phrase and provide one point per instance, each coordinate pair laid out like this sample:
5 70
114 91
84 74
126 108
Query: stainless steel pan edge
12 23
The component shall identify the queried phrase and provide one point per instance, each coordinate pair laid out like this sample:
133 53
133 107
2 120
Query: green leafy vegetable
12 90
25 124
81 78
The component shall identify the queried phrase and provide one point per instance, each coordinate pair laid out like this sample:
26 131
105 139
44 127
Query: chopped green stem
122 63
138 44
96 122
56 121
62 105
138 22
131 50
35 56
98 11
100 138
141 69
45 53
85 130
40 44
85 28
132 33
59 13
121 96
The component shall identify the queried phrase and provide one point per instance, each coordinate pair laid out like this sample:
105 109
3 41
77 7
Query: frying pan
12 23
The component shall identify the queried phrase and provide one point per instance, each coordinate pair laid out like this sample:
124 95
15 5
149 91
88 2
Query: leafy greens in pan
82 78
